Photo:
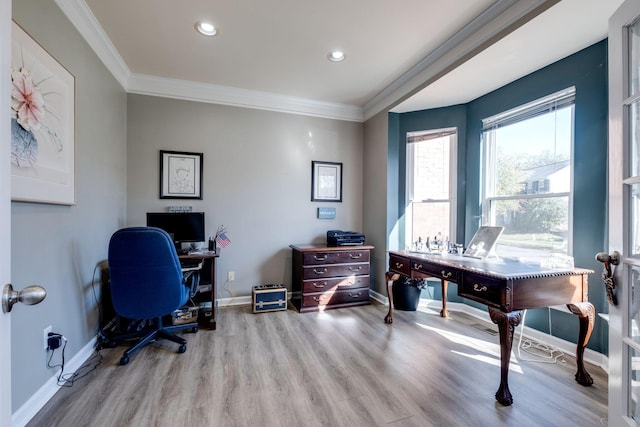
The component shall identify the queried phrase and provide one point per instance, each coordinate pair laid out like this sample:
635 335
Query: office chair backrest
146 278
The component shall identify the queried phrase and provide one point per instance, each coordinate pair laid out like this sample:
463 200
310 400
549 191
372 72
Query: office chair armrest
191 279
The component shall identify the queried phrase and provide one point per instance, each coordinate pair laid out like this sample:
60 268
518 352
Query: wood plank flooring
337 368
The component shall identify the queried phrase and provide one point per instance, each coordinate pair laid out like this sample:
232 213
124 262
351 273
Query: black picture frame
180 175
326 181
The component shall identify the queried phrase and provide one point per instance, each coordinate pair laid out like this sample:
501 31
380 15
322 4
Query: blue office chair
147 282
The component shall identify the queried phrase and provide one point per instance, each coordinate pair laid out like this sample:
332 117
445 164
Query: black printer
344 238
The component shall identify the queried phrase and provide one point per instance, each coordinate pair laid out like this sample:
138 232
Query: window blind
550 103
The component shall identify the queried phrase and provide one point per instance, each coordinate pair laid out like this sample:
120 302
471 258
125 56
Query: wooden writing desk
208 258
507 287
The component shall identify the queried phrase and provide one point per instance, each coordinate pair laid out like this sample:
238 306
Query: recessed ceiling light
205 28
336 56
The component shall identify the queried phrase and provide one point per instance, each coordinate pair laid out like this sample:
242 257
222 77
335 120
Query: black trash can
406 293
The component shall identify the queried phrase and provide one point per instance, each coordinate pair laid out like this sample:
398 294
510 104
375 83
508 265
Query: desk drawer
336 270
335 284
335 257
399 264
355 296
441 272
496 293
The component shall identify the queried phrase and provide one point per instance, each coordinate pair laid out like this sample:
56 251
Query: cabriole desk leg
444 286
507 323
586 313
391 277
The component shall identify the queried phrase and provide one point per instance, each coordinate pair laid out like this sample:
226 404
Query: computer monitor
181 226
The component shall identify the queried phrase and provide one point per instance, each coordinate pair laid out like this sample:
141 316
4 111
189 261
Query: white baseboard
30 408
567 347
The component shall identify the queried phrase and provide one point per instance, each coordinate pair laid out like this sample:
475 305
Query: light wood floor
338 368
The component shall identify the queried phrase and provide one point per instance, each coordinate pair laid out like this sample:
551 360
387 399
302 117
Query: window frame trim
488 149
452 133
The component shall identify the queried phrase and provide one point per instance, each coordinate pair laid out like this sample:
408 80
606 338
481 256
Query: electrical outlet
231 276
46 336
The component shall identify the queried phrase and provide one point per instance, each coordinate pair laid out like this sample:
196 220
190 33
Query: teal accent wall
587 71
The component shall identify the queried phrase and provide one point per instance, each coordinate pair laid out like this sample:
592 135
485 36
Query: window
528 176
431 181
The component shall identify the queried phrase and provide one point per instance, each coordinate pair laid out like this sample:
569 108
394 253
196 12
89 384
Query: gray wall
59 246
257 179
376 193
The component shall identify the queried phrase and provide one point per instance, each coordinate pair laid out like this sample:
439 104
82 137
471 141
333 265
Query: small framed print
326 181
180 175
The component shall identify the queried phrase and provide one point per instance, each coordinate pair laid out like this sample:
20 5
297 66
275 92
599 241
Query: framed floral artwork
180 175
326 181
42 125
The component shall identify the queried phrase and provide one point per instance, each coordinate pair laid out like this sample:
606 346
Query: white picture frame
42 125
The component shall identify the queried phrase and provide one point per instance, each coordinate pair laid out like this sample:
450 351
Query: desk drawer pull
399 265
479 288
319 299
355 295
320 271
355 256
320 257
319 285
445 274
417 266
358 268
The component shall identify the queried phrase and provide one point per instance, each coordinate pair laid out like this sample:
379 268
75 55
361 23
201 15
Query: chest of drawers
326 277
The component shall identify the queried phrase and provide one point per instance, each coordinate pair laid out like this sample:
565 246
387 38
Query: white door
624 214
5 208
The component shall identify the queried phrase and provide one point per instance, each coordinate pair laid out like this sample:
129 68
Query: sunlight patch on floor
475 343
491 350
513 366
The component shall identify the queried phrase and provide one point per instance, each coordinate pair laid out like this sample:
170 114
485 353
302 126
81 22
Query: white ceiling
272 54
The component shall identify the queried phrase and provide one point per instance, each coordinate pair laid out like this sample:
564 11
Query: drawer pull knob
320 257
355 256
358 268
479 288
445 274
319 270
399 265
319 285
417 266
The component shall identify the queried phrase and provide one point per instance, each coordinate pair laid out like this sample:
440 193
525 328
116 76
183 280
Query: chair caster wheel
182 348
124 360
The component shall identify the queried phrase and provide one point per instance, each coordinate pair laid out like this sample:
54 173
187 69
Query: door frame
5 208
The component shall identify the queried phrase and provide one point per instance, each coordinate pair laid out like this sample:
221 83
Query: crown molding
88 26
494 23
226 95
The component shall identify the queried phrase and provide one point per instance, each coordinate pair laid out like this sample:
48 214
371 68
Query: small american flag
222 239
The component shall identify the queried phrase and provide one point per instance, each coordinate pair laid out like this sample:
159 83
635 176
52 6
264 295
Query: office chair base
164 333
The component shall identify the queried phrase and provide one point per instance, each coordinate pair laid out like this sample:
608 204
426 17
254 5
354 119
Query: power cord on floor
233 297
542 352
67 380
